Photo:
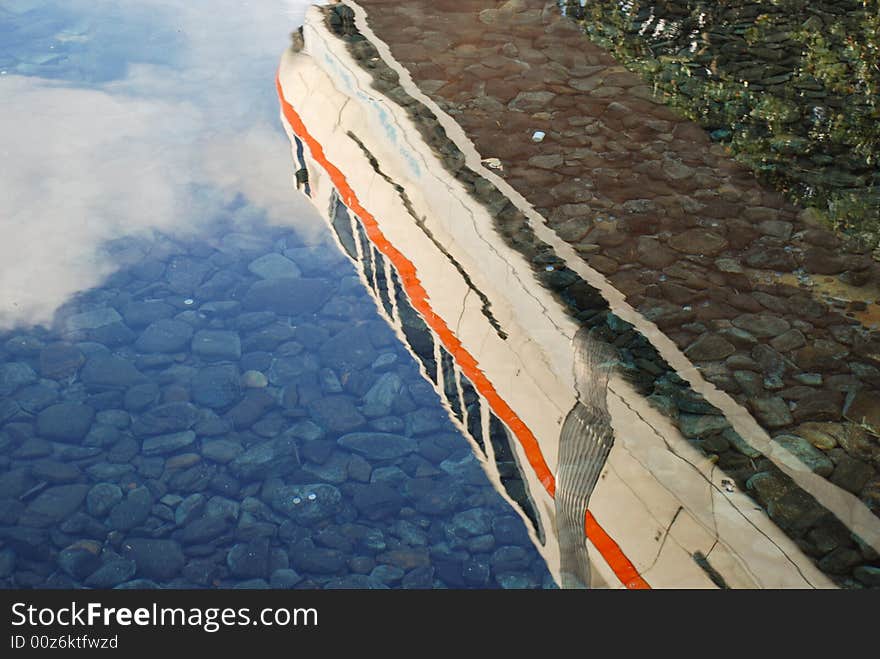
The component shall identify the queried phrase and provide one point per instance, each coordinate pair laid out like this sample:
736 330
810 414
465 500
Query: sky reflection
128 119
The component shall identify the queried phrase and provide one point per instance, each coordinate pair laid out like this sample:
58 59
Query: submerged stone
378 446
132 511
250 408
80 559
204 529
380 399
249 560
698 241
710 347
216 345
289 296
53 505
65 422
156 559
336 413
92 319
806 453
377 501
216 386
349 349
221 450
110 371
112 574
274 266
165 335
273 457
307 558
309 503
254 380
165 419
14 375
771 412
102 497
141 314
162 444
698 425
60 360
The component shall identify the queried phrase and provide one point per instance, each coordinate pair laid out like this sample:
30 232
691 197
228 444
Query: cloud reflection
85 162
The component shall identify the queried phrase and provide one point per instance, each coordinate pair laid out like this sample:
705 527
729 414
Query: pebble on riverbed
216 444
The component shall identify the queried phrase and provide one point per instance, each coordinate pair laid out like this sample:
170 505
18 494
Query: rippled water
192 378
790 87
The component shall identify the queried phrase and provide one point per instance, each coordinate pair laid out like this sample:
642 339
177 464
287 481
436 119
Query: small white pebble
297 500
188 301
312 496
538 136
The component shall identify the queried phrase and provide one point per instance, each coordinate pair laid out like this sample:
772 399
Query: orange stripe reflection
418 297
613 554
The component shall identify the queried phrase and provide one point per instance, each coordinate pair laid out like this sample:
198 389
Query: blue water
191 375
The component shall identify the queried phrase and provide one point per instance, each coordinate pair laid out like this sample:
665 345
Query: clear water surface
172 413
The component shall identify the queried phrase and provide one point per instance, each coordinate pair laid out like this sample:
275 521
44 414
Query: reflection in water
584 444
491 438
228 410
195 391
107 134
498 105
